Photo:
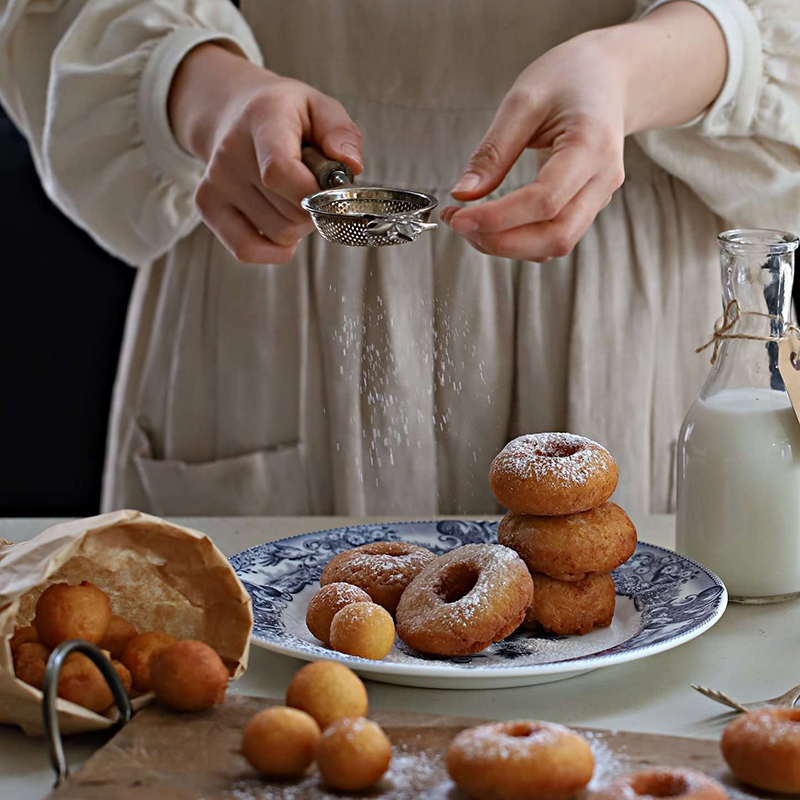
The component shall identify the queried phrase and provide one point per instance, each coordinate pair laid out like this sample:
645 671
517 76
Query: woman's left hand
570 106
575 105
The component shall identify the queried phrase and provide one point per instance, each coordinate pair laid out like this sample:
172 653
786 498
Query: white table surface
751 653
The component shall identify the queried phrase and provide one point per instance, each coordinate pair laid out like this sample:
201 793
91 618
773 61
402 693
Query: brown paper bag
160 576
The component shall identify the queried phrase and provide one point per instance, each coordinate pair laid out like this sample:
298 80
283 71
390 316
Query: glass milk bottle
739 447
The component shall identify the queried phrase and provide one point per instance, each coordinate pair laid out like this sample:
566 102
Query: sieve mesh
342 215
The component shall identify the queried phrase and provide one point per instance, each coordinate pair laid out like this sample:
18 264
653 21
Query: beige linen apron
356 381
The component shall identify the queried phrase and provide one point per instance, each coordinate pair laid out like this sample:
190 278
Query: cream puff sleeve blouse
742 156
87 82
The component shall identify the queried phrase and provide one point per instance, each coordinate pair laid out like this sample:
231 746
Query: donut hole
457 581
659 785
521 730
558 450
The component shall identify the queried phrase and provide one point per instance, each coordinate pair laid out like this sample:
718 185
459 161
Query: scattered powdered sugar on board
418 770
608 765
414 772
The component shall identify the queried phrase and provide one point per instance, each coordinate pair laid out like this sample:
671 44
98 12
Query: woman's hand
575 105
570 108
248 125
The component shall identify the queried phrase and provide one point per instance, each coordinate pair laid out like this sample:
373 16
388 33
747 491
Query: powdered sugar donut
522 760
572 547
762 748
465 600
552 473
381 569
571 609
679 784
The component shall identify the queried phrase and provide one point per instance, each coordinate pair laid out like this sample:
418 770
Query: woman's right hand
248 125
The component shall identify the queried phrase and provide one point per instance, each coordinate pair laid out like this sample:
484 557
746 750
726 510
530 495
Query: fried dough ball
326 602
353 754
124 675
281 742
118 634
83 683
363 629
327 691
762 748
21 636
72 612
138 654
79 681
30 662
189 676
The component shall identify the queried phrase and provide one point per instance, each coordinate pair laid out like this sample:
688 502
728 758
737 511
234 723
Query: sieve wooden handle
329 174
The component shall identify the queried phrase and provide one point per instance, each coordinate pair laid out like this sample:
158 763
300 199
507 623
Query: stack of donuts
556 487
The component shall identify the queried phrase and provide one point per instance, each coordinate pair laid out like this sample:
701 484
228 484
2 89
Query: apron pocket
269 482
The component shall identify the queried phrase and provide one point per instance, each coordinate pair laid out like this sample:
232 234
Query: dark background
62 311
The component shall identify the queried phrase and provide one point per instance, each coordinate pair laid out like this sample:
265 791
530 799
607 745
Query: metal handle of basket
329 174
55 747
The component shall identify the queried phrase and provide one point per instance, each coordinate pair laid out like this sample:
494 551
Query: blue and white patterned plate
663 600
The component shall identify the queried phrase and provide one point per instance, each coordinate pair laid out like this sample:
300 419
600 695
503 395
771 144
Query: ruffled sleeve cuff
156 80
732 111
110 160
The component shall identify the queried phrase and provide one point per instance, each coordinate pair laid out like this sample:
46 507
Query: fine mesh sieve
363 216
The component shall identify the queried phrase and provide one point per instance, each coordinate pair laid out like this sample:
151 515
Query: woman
265 372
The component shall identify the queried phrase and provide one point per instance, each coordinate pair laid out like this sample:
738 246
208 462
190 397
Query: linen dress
358 381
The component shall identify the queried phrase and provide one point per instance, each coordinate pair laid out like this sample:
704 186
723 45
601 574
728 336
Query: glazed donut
548 474
677 784
568 609
762 748
572 547
381 569
465 600
520 761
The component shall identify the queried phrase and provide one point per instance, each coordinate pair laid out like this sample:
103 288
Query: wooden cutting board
168 756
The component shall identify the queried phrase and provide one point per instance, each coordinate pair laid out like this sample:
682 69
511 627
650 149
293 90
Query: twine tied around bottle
723 329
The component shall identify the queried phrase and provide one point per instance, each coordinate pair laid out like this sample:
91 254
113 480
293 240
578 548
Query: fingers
509 134
278 142
238 234
558 182
293 213
334 132
270 222
279 132
541 241
255 181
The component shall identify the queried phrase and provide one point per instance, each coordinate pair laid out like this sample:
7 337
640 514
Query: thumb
335 133
509 134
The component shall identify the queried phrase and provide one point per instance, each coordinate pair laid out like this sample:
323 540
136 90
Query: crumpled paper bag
160 576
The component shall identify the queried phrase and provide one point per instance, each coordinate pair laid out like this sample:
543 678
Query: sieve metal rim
353 193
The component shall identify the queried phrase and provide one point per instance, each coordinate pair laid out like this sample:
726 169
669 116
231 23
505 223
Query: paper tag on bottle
789 365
